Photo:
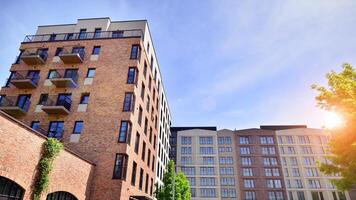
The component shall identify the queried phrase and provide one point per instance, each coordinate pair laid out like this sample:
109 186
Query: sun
333 120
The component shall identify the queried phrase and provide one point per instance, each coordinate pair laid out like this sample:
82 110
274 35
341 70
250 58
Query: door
55 129
23 101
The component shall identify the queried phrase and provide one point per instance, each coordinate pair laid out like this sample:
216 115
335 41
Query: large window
208 192
78 126
270 161
226 170
250 195
84 99
245 150
129 102
143 153
137 142
246 161
314 183
206 140
97 33
207 171
133 174
141 179
247 172
268 150
266 140
188 170
139 120
120 166
206 150
224 140
207 181
272 172
186 150
96 50
225 160
125 131
55 129
275 196
132 75
186 140
274 183
304 139
244 140
135 51
228 193
249 183
91 73
186 160
208 160
227 181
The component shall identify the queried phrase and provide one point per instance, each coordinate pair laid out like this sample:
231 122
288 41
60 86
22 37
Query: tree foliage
340 97
175 186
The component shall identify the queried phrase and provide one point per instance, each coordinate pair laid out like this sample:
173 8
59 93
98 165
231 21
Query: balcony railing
84 36
55 105
34 56
72 54
13 106
63 78
25 79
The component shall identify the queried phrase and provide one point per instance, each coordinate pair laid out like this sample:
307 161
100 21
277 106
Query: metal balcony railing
26 75
84 36
53 100
35 52
14 101
62 73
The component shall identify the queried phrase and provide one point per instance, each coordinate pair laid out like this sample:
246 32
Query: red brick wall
19 156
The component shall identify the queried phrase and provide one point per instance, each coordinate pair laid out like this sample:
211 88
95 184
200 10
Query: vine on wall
52 147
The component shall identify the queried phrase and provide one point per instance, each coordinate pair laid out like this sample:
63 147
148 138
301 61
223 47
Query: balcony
25 79
64 78
84 36
34 56
75 55
15 105
59 105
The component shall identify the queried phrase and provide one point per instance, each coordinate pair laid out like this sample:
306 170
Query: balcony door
33 75
55 129
23 101
64 100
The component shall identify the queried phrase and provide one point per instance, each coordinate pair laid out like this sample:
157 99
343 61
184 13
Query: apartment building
96 86
300 149
197 157
270 162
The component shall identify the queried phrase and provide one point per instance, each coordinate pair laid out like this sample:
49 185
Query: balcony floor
33 60
13 110
63 82
59 110
71 58
24 84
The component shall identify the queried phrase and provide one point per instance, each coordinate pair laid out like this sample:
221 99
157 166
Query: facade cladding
273 163
96 86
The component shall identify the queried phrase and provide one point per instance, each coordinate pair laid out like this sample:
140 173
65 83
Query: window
186 140
314 184
275 183
84 99
135 52
303 140
132 75
153 163
186 160
117 34
141 179
58 51
188 170
270 161
247 172
207 181
69 36
207 171
151 64
225 160
52 74
206 140
191 181
311 172
133 174
208 160
125 132
207 192
139 120
272 172
206 150
154 141
55 129
245 150
120 166
249 183
289 140
227 181
129 102
295 172
43 99
137 142
306 150
266 140
82 34
146 185
226 170
148 48
224 140
97 33
149 83
149 158
143 153
35 125
244 140
78 126
91 73
298 183
150 139
186 150
52 37
246 161
145 69
300 195
143 91
275 196
293 161
268 150
250 195
96 50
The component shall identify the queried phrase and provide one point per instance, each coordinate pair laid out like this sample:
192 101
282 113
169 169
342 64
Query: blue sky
233 64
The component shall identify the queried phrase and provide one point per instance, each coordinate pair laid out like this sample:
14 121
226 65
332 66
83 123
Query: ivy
51 149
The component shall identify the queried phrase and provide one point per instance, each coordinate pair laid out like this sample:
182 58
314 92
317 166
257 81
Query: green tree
340 97
175 187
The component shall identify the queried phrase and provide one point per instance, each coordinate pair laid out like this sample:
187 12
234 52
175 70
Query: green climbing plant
51 149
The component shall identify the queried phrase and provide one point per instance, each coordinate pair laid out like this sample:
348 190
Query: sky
231 64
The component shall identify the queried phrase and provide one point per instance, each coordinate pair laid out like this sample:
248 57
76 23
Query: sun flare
333 120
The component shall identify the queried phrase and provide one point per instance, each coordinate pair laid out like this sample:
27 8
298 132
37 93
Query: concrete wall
20 153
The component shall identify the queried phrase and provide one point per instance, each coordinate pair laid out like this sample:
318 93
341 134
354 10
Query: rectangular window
149 83
249 183
84 99
206 150
207 181
245 150
141 179
82 34
135 51
208 192
137 142
117 34
208 160
96 50
129 102
244 140
139 120
125 132
151 64
153 163
186 150
146 185
143 153
91 73
266 140
59 50
120 166
247 172
52 74
207 171
145 69
97 33
206 140
225 160
43 99
55 129
226 170
246 161
300 195
52 37
186 140
143 91
35 125
154 141
132 75
250 195
78 126
149 158
133 174
188 170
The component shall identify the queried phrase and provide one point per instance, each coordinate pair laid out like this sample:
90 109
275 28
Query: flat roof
182 128
281 127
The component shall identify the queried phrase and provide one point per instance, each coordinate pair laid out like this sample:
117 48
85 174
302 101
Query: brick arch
15 178
14 190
